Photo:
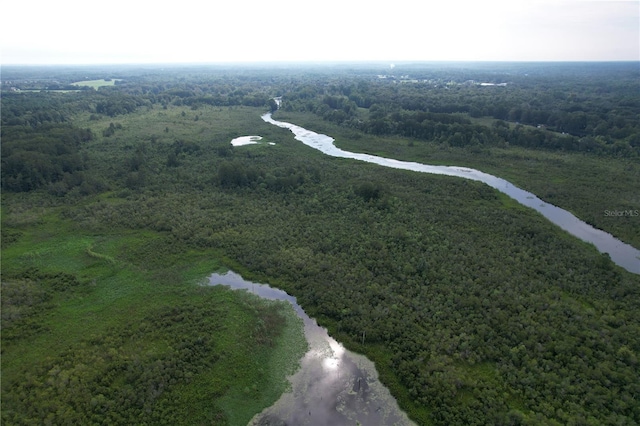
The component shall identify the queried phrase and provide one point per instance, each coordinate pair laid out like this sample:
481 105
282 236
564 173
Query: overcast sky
140 31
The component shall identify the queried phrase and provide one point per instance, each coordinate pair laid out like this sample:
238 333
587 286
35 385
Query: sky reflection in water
333 386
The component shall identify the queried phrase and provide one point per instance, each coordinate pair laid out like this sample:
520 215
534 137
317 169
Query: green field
95 84
127 319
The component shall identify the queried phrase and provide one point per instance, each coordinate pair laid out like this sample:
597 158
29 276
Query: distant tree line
47 156
595 116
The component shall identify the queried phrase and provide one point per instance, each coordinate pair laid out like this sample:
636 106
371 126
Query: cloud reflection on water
333 386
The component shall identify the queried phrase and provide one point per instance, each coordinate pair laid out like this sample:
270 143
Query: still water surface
621 253
333 386
246 140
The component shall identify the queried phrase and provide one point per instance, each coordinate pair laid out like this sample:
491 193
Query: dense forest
476 310
596 112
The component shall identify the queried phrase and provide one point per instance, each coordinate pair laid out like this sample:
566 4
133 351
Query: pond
333 386
247 140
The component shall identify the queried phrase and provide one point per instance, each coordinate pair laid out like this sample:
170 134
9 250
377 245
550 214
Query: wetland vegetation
476 310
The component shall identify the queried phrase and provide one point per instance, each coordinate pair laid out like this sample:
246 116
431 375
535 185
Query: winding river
620 253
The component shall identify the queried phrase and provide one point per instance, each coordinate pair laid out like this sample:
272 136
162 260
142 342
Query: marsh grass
214 124
95 84
119 290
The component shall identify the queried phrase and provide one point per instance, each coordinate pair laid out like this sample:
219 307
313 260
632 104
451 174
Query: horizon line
320 62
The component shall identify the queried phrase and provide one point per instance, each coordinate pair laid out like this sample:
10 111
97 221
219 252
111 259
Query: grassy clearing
204 123
266 384
490 122
96 84
118 296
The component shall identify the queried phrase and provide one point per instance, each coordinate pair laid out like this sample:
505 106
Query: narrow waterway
333 386
620 253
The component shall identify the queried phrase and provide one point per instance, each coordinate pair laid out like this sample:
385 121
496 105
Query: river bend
333 387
